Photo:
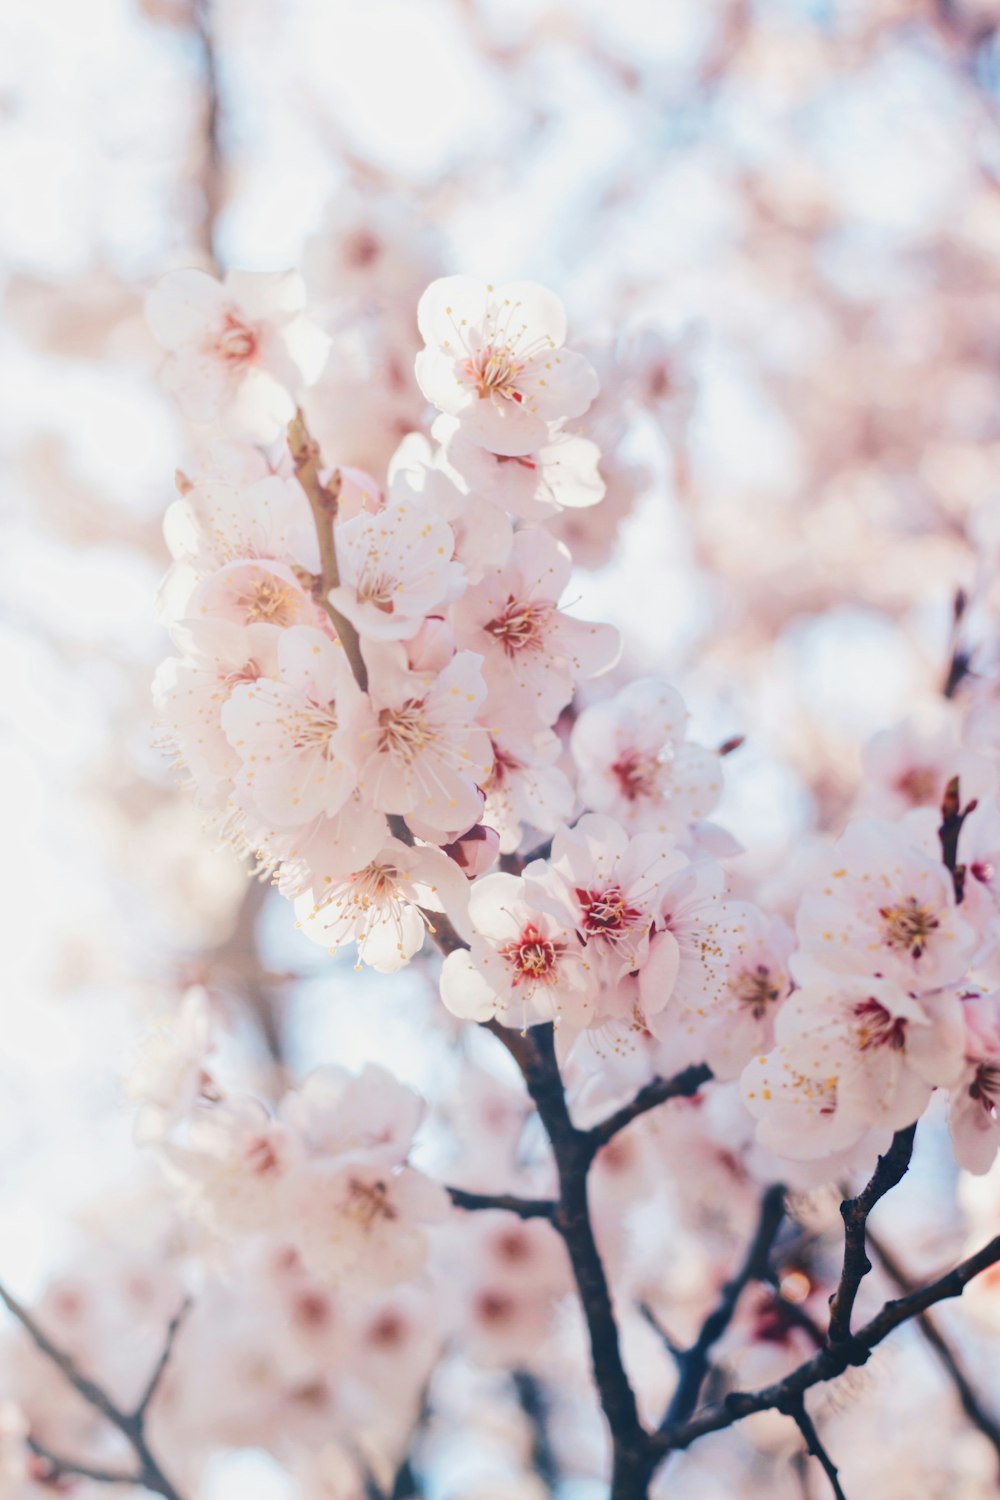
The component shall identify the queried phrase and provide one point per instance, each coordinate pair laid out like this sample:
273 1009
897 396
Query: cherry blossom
395 568
857 1050
386 906
524 966
636 765
974 1097
533 653
884 905
298 734
236 347
362 1225
561 474
425 753
495 360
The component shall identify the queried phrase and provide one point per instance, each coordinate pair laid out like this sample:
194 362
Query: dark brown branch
659 1091
971 1404
573 1150
324 500
694 1362
889 1171
533 1401
804 1422
830 1361
953 815
525 1208
130 1424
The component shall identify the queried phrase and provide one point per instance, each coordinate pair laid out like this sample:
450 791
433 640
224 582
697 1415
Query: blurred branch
804 1422
525 1208
693 1363
971 1404
131 1424
213 170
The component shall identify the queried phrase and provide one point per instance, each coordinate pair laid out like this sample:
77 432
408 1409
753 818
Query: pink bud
433 646
476 851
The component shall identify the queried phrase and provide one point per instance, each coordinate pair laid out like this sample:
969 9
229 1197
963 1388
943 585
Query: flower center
532 956
261 1157
404 732
638 775
878 1028
607 913
368 1202
520 626
267 601
494 371
757 989
919 785
376 587
908 926
236 342
314 728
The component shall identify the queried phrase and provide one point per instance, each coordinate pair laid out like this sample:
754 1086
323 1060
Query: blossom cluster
380 693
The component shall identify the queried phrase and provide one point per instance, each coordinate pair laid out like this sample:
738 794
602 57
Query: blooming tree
676 1077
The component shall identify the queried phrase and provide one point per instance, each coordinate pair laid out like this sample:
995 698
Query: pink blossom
495 360
524 966
395 568
383 906
636 764
974 1097
884 905
298 735
361 1225
237 348
425 753
561 474
533 653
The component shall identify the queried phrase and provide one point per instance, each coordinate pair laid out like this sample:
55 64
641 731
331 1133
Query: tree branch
830 1361
682 1086
694 1362
890 1170
525 1208
131 1425
324 501
573 1150
804 1422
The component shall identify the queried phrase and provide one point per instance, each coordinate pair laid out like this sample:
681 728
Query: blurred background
776 226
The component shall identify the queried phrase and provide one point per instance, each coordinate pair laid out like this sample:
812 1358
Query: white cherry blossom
395 569
298 735
636 765
562 474
238 348
495 360
524 965
533 653
362 1225
386 906
883 904
425 753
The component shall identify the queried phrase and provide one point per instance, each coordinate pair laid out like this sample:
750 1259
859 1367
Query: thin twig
682 1086
890 1170
953 815
131 1424
159 1370
804 1422
525 1208
694 1362
73 1468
